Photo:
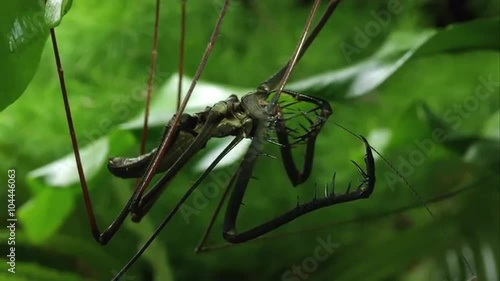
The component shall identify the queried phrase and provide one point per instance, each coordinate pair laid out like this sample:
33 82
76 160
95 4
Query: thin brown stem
152 69
294 58
74 142
181 52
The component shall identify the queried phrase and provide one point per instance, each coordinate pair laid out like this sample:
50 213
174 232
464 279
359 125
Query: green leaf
55 10
484 153
464 36
63 172
121 141
39 217
428 116
23 33
460 144
413 124
491 128
163 109
362 78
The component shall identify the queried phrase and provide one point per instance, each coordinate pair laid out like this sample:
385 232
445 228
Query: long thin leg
152 69
107 234
181 52
201 245
272 82
270 109
174 210
297 177
229 231
148 176
104 237
135 205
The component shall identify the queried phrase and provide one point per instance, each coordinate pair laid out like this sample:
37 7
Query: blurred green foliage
426 98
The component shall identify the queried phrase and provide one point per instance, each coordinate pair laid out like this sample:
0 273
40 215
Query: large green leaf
360 79
37 215
24 27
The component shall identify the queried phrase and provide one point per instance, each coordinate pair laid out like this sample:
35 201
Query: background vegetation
411 78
